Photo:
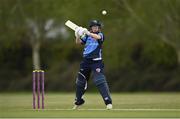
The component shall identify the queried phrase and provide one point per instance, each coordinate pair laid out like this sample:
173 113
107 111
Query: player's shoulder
102 36
101 33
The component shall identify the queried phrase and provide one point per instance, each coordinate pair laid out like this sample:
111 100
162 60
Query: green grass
60 104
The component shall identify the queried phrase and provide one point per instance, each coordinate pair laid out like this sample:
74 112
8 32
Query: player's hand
77 35
86 32
80 31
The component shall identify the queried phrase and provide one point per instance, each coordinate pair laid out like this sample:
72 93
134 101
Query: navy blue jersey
93 47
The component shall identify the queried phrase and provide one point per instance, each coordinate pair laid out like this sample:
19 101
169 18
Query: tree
39 27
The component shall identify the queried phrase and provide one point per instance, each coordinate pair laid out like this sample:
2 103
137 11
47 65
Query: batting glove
77 32
86 32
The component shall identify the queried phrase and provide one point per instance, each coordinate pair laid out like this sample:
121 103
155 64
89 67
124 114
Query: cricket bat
71 25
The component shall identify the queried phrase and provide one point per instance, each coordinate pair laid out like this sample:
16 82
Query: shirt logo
98 70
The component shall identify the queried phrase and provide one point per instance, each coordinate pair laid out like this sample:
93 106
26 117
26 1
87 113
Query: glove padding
80 32
77 32
86 32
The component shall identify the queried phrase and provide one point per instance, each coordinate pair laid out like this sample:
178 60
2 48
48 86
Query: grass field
150 105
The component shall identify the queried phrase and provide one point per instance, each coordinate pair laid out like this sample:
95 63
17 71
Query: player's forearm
95 36
78 41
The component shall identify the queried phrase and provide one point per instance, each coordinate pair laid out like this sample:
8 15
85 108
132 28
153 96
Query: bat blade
71 25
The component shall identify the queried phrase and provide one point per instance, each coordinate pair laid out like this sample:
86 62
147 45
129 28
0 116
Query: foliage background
141 50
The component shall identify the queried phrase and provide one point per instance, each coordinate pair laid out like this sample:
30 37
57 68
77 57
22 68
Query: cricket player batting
92 40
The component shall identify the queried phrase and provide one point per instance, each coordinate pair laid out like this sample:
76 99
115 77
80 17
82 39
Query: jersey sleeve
102 37
84 39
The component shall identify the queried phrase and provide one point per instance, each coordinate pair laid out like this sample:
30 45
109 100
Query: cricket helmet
95 23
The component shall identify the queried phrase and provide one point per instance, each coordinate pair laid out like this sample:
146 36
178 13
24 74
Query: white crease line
89 118
106 109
